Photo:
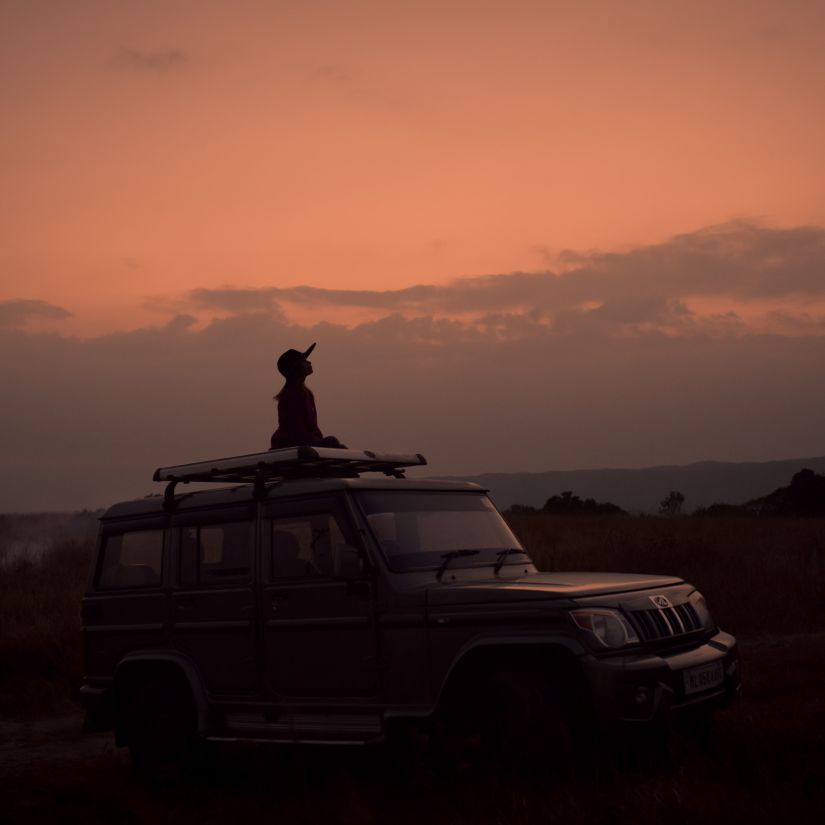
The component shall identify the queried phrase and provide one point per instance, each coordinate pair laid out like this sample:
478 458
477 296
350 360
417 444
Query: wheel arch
137 667
556 656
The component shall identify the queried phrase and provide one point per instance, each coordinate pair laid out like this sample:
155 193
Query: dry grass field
761 575
764 579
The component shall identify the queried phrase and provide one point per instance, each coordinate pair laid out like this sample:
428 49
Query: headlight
608 628
701 608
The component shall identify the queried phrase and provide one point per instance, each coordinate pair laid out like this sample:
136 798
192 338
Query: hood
544 586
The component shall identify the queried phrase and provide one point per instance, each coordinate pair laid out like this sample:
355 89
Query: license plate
703 678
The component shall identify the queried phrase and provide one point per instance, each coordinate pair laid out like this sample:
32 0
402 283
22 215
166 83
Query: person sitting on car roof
297 416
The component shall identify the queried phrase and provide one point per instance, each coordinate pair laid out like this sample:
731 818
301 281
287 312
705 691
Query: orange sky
150 148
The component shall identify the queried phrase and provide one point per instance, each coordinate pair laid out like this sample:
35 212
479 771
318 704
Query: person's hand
332 441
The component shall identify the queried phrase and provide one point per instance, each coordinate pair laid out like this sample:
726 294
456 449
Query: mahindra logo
661 601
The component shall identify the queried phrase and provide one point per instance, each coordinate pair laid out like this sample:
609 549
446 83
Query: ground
765 763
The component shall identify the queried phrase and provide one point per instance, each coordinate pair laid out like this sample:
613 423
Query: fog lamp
642 696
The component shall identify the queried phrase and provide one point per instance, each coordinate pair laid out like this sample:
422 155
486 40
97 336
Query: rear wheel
524 727
161 729
396 757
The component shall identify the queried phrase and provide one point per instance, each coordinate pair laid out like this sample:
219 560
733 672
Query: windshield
414 530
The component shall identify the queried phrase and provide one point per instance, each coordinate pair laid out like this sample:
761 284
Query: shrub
40 648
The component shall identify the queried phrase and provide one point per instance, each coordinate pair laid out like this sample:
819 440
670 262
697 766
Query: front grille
664 622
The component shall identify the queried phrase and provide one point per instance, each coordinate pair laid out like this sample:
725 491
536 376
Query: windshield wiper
502 555
453 554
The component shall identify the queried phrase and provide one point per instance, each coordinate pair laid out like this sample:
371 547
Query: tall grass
33 535
41 584
761 575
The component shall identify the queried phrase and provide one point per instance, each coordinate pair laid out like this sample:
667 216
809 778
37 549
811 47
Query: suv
309 604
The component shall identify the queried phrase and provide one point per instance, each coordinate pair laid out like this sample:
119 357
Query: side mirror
347 562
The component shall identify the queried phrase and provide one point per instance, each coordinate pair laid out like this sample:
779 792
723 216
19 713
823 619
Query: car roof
245 493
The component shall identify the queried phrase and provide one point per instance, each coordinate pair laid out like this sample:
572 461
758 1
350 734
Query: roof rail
292 462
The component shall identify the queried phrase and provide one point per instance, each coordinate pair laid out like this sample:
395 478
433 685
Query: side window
301 546
131 560
216 553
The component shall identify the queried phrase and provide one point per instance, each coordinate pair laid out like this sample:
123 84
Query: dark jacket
297 418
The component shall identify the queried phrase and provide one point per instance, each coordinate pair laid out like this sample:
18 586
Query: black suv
309 604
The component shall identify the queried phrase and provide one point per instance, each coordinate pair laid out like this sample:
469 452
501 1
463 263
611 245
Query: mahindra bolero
324 598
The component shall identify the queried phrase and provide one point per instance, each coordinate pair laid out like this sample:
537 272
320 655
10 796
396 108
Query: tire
525 730
160 725
397 754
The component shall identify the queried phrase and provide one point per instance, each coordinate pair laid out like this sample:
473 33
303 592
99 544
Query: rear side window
132 559
216 553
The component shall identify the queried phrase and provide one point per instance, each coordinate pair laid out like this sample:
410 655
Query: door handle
358 587
184 604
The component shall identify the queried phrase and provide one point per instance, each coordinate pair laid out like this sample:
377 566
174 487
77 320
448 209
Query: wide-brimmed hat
291 358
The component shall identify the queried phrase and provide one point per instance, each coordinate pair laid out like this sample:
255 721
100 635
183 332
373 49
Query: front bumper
644 686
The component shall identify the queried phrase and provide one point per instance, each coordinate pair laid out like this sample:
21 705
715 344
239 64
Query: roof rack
284 464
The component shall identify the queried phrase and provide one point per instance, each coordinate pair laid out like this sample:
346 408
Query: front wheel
525 729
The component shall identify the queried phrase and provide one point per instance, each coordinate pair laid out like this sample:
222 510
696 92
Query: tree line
804 496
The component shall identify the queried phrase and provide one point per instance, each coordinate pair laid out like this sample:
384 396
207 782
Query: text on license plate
703 678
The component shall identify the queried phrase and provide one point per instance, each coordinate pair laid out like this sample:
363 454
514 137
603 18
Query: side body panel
213 623
318 633
119 620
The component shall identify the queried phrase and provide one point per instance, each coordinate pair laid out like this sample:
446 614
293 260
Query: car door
213 598
318 632
126 608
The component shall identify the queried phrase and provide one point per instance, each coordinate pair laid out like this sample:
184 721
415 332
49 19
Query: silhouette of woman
297 416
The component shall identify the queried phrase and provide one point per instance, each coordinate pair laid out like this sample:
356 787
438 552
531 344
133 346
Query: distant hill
641 491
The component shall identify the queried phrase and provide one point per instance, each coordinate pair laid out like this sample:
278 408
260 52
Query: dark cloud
332 73
604 364
16 312
240 299
740 262
149 60
508 393
351 85
233 300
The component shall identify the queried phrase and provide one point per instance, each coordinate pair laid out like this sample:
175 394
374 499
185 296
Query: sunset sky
526 235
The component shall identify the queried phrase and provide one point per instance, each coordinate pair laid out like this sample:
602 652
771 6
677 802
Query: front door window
319 631
302 546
